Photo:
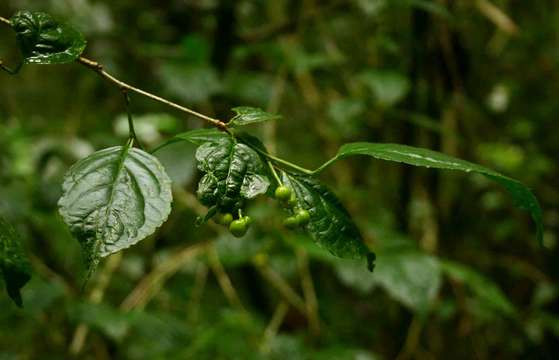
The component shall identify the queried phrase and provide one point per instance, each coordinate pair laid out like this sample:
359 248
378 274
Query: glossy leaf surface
43 40
234 172
522 196
330 223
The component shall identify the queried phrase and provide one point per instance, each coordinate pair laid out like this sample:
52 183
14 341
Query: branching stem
4 20
95 66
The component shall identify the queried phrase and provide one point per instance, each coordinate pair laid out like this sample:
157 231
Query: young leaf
249 115
43 40
113 199
234 172
330 224
201 136
196 137
522 196
14 265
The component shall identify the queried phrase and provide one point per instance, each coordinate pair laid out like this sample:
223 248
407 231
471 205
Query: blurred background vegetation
459 273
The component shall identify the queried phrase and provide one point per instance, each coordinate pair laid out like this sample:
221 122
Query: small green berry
291 222
283 193
224 219
238 228
303 217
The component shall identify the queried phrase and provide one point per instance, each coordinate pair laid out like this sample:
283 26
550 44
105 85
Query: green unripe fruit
247 220
224 219
292 201
303 217
291 222
238 228
283 193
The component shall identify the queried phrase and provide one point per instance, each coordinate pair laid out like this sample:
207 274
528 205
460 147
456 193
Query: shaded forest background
459 272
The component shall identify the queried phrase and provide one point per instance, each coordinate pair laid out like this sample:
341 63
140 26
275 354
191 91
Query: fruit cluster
300 217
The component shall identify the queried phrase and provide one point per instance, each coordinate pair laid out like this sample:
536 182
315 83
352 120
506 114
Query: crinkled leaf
113 199
486 290
43 40
330 223
249 115
14 265
522 196
234 172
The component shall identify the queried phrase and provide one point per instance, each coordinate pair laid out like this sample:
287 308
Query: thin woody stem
94 65
97 67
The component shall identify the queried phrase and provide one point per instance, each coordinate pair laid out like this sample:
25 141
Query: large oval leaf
330 224
113 199
522 196
14 265
43 40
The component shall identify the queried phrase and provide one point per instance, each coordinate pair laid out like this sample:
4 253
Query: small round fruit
291 222
224 219
283 193
303 217
238 228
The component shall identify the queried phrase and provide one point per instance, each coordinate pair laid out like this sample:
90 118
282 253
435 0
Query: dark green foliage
14 265
43 40
330 224
456 271
410 155
233 173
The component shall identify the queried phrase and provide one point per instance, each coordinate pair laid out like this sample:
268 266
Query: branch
309 293
98 68
282 287
5 21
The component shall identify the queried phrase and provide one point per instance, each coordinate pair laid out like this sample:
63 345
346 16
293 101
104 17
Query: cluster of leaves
118 196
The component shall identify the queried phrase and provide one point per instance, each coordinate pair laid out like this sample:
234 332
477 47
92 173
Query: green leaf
486 290
201 136
249 115
410 277
43 40
14 265
234 172
196 137
522 196
330 225
389 87
113 199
